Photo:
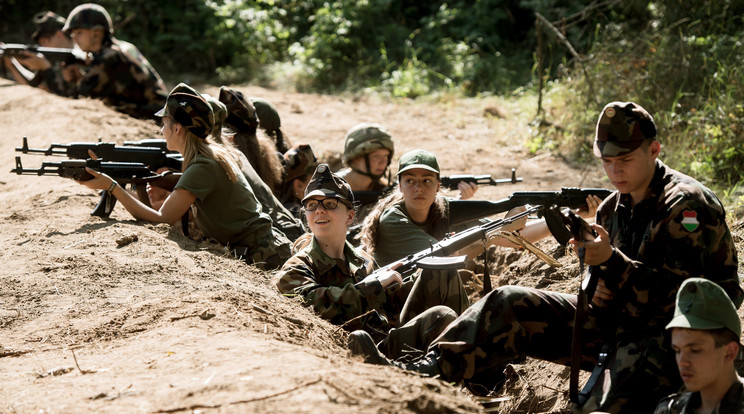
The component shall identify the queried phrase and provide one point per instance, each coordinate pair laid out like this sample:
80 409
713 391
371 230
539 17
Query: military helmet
268 117
89 16
364 139
47 23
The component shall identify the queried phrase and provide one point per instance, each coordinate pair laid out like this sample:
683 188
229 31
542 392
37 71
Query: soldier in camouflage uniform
337 281
223 203
660 228
705 337
299 165
123 82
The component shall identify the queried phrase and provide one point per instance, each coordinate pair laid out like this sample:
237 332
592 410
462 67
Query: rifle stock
463 211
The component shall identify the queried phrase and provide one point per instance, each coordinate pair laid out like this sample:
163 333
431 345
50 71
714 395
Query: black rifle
53 54
435 257
132 173
452 181
149 142
153 157
463 211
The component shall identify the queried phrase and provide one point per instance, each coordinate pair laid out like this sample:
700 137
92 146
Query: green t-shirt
227 212
398 235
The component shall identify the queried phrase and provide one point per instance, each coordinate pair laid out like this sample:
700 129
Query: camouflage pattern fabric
118 80
328 285
55 84
688 402
677 231
266 252
135 53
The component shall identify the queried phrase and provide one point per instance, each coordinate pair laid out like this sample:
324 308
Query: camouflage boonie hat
622 127
241 115
268 117
326 183
418 159
219 110
190 109
702 304
47 23
89 16
365 138
298 161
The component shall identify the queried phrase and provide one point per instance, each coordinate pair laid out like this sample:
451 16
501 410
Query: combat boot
427 365
361 344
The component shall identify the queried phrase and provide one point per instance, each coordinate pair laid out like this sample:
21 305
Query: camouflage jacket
688 402
678 231
119 80
330 285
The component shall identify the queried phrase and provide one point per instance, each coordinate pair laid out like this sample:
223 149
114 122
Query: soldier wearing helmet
116 73
368 150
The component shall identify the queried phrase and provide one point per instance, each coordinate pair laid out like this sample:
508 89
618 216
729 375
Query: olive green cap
89 16
220 112
268 117
326 183
47 23
622 127
703 304
418 159
365 138
190 109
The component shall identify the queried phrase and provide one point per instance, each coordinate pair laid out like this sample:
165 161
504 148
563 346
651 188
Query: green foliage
685 64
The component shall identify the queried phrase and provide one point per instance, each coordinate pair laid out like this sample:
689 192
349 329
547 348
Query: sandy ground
166 324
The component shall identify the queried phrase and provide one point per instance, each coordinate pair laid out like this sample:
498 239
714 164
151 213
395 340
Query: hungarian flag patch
690 221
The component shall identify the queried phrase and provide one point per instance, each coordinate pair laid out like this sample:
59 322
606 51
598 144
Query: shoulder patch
689 220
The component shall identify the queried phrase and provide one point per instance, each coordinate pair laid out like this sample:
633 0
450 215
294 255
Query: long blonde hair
194 145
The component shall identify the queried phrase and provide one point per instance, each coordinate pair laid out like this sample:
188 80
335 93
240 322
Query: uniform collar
325 263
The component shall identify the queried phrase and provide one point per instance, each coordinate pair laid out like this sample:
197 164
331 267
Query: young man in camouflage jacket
660 228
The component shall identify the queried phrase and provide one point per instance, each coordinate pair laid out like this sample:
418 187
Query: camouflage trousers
513 322
267 252
435 300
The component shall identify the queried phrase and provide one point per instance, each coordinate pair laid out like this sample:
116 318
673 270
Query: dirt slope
165 324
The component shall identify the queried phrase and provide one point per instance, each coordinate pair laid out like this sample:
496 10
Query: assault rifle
133 173
149 142
463 211
53 54
435 257
452 181
153 157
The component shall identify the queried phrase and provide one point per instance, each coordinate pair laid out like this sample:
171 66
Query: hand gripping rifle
123 172
463 211
452 181
53 54
153 158
579 230
436 258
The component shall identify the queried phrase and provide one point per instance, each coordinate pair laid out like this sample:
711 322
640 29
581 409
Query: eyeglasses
313 204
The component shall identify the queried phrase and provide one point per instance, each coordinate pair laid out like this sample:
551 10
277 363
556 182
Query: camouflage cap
365 138
298 161
702 304
325 183
241 114
220 112
89 16
622 127
47 23
268 117
418 159
190 109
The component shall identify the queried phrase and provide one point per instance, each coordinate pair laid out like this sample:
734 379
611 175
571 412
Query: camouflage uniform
338 291
118 79
686 402
677 231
